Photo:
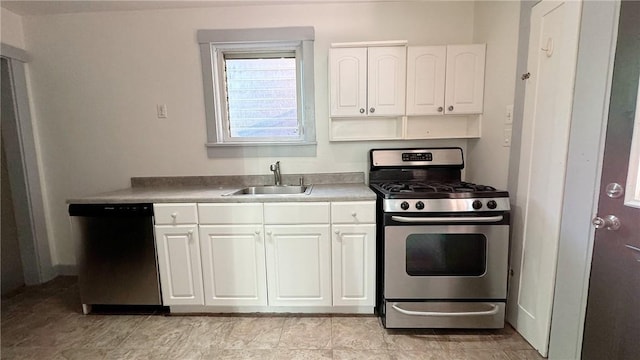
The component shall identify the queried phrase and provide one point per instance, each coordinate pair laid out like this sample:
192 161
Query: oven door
444 260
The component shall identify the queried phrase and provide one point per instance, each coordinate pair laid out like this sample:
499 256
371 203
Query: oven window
446 254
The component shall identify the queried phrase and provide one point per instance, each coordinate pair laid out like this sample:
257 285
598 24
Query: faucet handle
275 167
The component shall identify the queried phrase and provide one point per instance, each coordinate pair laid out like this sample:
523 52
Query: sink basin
273 190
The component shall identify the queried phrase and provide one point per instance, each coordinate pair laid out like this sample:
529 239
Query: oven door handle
431 220
494 310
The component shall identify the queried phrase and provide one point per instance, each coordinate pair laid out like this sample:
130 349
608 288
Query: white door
179 264
298 265
545 137
387 70
464 90
426 66
354 265
233 265
348 82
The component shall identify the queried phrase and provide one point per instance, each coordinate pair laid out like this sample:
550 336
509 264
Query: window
258 87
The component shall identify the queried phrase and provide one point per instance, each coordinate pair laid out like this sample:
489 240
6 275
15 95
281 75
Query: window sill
267 149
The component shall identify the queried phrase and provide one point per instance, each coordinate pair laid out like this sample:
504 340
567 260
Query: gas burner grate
434 187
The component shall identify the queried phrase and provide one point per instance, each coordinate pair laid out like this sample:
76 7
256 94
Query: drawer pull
493 311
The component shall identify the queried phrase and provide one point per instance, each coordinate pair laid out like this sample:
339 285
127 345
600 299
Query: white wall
96 79
496 23
11 29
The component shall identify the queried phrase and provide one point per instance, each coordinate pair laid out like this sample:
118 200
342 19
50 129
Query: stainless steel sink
273 190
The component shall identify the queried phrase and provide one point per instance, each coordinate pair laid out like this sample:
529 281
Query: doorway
32 254
612 321
12 272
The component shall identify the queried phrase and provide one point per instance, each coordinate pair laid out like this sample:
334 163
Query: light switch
508 115
162 111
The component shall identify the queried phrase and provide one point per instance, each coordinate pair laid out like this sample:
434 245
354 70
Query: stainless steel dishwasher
117 263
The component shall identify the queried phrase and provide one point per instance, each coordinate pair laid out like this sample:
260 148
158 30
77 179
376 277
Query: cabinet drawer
353 212
172 214
296 213
223 214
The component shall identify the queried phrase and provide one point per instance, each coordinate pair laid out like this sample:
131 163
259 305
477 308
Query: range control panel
423 156
446 205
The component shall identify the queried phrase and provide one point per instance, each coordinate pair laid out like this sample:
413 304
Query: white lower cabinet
353 257
298 265
233 265
354 265
255 256
179 264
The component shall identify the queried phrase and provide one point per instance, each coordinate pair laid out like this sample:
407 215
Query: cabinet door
426 66
464 91
354 265
298 265
387 76
233 265
348 82
179 265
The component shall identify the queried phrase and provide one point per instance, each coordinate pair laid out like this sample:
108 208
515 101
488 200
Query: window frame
213 45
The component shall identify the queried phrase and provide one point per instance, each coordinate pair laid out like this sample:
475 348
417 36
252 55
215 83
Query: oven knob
492 204
419 205
477 204
404 205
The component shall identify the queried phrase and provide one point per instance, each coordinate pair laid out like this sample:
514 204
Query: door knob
609 222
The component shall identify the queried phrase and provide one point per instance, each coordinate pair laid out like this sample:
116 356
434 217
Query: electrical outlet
508 115
162 111
506 140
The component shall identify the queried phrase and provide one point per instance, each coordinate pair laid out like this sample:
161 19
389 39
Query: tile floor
45 322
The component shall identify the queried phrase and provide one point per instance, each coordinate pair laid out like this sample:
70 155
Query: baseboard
66 270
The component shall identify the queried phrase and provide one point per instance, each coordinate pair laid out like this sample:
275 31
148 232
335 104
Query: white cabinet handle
354 214
337 232
174 215
257 232
190 234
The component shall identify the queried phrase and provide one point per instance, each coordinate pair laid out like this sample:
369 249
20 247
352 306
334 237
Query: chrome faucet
276 173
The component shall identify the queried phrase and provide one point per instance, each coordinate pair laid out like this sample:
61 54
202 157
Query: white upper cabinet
367 81
445 79
464 90
348 81
387 78
425 79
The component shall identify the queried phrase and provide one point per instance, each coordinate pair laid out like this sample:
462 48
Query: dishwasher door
117 263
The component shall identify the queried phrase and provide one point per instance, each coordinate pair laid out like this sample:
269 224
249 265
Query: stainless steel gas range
443 244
